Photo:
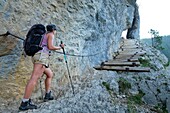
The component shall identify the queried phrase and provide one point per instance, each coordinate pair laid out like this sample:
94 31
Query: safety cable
8 33
91 55
74 55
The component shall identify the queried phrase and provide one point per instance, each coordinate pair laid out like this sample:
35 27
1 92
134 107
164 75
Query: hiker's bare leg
49 75
36 74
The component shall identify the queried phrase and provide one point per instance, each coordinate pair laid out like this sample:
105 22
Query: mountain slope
165 45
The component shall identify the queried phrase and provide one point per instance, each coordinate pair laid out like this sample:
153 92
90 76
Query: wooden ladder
126 58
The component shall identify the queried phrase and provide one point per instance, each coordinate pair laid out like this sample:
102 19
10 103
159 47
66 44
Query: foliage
165 44
124 85
132 108
136 99
161 108
156 40
133 100
167 64
144 62
106 85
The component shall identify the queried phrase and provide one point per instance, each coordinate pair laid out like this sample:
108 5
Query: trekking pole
65 57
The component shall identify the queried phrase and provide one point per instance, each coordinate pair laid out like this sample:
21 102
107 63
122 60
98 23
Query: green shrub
161 108
107 86
133 101
136 99
124 85
166 65
144 62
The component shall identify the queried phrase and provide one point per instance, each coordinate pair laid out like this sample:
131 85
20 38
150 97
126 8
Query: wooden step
132 53
131 47
130 43
120 63
129 40
128 56
133 60
128 60
132 50
125 68
124 60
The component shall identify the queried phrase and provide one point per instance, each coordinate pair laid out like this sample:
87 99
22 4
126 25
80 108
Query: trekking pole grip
61 42
61 46
63 52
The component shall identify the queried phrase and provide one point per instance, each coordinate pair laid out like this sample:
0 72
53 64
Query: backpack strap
44 39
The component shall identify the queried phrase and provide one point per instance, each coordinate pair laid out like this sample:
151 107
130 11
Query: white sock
25 100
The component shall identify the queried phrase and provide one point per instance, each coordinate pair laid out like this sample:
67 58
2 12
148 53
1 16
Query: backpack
34 38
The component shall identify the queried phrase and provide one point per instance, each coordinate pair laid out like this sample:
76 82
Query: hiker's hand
62 45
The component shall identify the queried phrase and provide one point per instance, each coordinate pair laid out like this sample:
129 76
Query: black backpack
34 37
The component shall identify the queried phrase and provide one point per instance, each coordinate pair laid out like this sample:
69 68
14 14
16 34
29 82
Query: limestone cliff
86 27
90 29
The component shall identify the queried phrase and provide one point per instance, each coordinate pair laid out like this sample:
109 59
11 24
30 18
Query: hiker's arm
50 44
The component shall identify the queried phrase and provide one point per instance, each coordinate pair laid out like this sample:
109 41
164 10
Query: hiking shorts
41 58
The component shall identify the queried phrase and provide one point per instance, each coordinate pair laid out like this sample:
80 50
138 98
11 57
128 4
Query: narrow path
126 58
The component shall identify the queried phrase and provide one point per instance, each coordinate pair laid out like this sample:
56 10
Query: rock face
91 29
92 98
133 32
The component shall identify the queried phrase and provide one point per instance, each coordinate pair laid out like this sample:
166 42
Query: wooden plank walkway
123 68
126 58
121 63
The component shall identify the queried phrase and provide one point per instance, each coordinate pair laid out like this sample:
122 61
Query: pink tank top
44 45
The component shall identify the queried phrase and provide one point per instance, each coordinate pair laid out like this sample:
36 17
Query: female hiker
40 61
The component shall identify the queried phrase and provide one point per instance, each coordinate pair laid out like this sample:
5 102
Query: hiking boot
27 105
48 96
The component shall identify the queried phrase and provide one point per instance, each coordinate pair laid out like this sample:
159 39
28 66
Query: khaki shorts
41 58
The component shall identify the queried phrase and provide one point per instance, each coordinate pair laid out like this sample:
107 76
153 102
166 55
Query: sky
154 14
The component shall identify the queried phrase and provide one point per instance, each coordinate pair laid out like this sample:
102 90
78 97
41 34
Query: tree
156 39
